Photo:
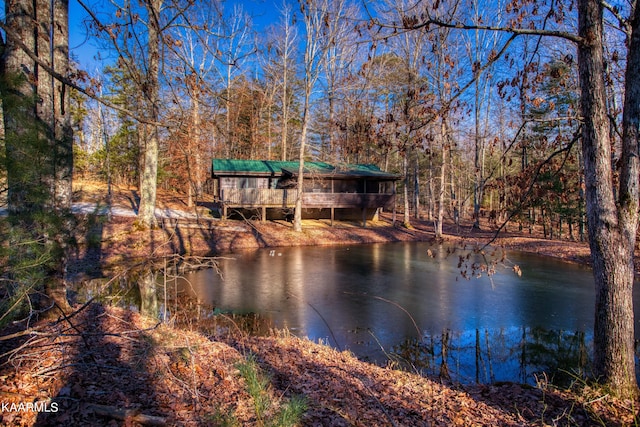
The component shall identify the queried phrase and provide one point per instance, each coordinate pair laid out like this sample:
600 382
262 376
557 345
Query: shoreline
106 247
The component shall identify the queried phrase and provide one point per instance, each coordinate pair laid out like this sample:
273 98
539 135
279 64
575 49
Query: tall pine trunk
62 152
38 145
61 106
18 102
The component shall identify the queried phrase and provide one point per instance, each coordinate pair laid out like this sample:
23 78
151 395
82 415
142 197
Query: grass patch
268 412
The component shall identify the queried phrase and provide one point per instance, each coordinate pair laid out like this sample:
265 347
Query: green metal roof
275 167
236 166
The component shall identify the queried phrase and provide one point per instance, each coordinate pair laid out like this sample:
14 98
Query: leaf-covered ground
110 366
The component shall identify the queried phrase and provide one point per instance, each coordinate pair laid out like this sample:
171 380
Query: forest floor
103 365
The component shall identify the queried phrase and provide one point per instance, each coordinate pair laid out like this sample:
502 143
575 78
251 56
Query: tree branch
625 27
68 82
414 23
524 199
515 31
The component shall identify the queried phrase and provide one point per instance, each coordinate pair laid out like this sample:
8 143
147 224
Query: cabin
335 192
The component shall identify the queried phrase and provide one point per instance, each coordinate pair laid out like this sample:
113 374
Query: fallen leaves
119 362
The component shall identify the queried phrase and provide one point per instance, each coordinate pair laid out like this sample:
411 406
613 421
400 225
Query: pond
428 308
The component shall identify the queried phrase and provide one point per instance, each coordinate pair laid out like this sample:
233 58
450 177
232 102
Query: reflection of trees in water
213 321
186 311
120 291
562 355
486 356
160 290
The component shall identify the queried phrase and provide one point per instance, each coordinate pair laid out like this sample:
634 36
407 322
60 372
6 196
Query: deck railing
258 197
279 198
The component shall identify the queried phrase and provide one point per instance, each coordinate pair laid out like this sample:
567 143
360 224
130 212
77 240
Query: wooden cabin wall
227 182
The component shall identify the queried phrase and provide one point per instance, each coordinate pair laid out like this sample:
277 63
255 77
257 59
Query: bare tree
611 206
482 43
135 34
410 119
282 71
341 54
235 44
315 15
444 70
150 91
194 47
612 216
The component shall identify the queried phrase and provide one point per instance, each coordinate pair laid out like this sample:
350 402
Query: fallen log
127 414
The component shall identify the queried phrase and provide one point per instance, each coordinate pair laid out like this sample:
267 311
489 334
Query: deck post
224 211
264 214
364 217
393 217
333 214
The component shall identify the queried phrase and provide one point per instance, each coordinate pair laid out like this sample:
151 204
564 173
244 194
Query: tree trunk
18 103
297 215
441 189
62 150
38 145
478 176
195 149
405 169
285 118
148 297
612 227
63 128
455 204
416 188
149 179
430 192
332 155
289 36
313 14
230 140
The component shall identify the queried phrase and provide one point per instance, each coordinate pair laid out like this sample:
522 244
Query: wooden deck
262 198
258 197
276 198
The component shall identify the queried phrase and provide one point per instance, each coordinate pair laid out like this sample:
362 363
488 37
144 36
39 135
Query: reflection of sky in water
368 296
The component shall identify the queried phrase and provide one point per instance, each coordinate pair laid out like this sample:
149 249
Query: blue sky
81 48
263 12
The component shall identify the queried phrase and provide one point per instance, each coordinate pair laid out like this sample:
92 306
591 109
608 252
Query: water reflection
405 303
408 298
525 355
